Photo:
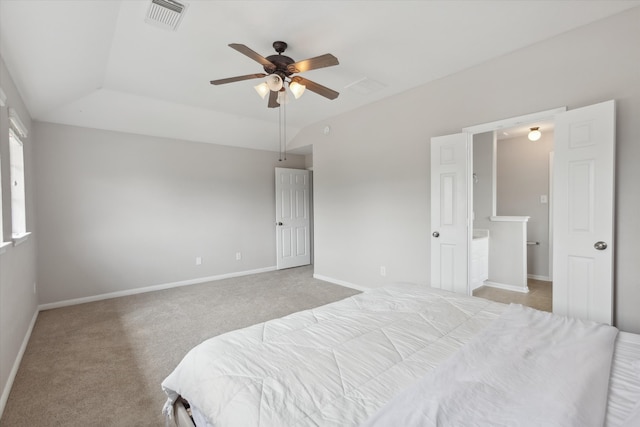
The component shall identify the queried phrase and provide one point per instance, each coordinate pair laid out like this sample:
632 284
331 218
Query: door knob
601 246
278 223
436 234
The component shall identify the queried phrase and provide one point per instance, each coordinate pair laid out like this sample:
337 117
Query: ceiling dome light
534 134
274 82
262 89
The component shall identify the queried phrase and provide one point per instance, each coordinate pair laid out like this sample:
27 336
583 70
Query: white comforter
529 368
332 366
337 365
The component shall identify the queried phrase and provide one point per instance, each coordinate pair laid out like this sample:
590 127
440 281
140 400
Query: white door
583 204
293 247
449 213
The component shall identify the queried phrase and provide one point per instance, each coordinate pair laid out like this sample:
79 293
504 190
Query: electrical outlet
383 271
198 260
238 256
544 199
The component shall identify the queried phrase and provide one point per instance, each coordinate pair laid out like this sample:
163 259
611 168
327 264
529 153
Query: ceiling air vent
365 86
165 14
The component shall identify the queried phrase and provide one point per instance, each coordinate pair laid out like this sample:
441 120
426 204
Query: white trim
551 159
20 238
509 218
3 98
17 124
515 121
341 282
110 295
506 287
3 246
538 277
16 364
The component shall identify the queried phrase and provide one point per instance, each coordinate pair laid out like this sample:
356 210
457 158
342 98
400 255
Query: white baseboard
538 277
506 287
128 292
16 365
340 282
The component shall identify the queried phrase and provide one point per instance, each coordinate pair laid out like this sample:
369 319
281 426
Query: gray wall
523 176
18 300
371 173
119 211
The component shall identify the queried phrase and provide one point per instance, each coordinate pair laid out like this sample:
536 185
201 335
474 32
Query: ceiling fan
279 68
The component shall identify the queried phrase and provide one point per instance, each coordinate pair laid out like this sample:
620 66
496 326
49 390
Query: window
2 243
18 211
16 162
3 102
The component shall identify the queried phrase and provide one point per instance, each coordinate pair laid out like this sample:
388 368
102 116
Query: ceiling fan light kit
283 97
274 82
279 69
297 89
262 89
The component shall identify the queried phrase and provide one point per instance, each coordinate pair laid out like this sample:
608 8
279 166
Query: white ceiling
98 64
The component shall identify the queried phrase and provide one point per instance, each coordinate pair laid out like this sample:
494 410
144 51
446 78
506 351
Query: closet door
293 243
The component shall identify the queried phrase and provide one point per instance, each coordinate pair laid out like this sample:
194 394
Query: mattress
338 364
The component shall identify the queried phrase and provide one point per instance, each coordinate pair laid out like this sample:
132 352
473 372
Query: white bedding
335 365
528 368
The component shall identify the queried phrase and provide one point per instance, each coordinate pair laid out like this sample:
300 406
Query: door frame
470 131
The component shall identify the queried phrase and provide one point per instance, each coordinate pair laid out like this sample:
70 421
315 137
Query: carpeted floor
101 363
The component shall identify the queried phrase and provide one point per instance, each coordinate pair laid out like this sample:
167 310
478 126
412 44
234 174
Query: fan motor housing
281 62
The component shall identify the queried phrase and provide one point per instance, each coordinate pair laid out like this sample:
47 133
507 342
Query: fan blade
237 79
315 87
268 65
322 61
273 100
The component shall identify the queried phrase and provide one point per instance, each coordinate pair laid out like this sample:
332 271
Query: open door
583 208
293 246
449 213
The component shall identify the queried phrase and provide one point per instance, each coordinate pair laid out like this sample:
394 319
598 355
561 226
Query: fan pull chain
279 135
284 140
282 132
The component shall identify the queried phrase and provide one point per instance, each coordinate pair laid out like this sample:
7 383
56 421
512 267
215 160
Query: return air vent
365 86
165 14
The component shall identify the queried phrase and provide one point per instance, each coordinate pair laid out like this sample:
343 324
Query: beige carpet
101 363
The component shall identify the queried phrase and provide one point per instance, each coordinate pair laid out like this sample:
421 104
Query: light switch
544 199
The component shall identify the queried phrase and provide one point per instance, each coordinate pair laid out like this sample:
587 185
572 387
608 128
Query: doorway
583 192
512 180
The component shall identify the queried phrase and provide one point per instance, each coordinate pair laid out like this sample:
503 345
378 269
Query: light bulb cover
283 97
534 134
274 82
262 89
297 89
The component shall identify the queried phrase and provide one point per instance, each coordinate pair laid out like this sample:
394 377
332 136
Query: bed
423 355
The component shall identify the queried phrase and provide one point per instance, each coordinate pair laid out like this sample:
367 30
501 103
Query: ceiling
545 126
98 64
